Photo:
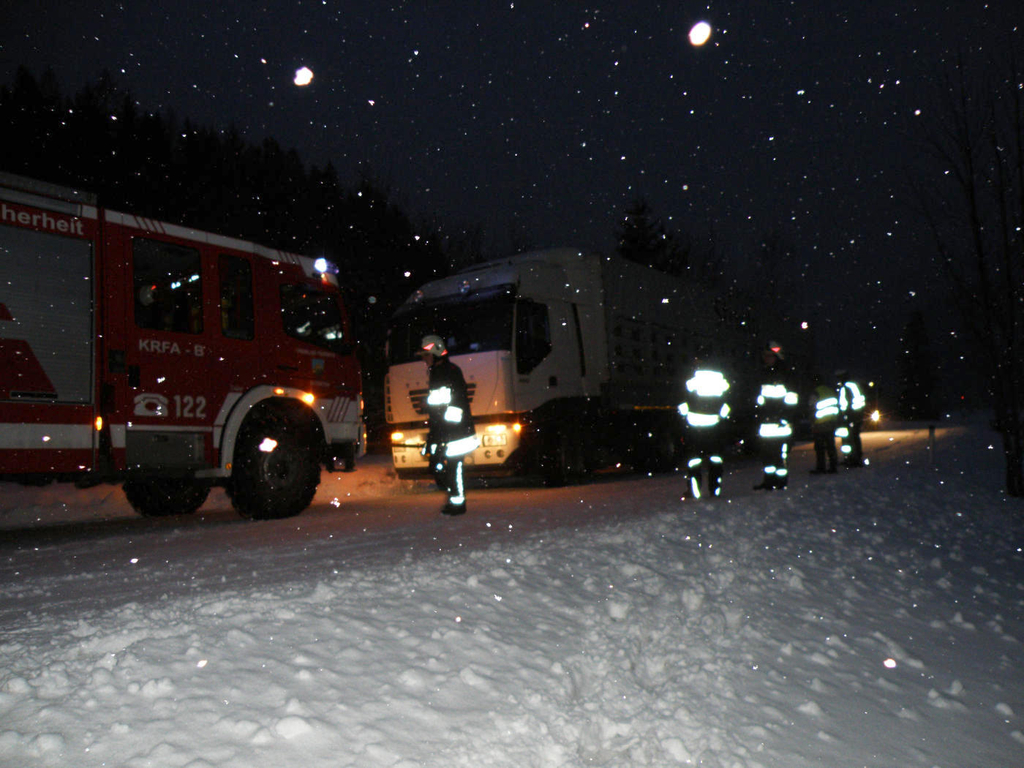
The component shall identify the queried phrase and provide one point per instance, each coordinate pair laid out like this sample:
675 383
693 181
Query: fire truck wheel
276 471
159 497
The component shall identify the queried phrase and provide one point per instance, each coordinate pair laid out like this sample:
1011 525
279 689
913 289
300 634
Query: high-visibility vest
775 402
705 404
826 408
851 400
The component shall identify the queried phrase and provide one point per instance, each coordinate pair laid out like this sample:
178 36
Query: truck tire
160 497
276 469
562 460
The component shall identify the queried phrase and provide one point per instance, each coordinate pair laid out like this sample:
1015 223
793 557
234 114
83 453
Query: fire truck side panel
47 332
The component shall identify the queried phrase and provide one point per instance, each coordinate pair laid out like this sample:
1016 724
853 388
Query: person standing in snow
851 419
451 434
823 427
704 410
775 406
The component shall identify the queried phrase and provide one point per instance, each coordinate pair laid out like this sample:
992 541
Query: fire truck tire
160 497
279 483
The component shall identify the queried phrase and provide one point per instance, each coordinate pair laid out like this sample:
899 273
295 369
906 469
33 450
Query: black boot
454 509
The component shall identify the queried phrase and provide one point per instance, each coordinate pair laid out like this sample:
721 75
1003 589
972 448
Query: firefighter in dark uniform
776 404
851 419
451 434
704 410
823 427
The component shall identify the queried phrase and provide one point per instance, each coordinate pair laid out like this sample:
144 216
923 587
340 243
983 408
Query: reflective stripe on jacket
448 404
705 404
776 403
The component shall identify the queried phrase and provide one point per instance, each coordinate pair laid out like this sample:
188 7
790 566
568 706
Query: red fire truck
168 359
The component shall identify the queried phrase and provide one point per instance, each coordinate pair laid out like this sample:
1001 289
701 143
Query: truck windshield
313 317
470 324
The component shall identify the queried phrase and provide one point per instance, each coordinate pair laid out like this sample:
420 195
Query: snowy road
872 618
100 553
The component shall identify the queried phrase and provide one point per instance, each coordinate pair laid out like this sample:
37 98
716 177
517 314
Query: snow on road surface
871 618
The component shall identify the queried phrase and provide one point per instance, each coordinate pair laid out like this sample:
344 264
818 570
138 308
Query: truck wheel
160 497
276 471
562 462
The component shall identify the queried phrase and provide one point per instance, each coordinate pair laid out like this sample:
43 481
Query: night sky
541 121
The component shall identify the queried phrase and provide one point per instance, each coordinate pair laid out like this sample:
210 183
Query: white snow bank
873 618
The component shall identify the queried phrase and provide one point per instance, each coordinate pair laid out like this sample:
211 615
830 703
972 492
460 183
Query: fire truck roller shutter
276 466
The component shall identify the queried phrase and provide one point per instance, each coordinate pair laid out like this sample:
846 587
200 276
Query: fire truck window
236 304
168 287
313 317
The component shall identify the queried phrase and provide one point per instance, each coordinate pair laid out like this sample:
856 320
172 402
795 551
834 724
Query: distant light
303 76
700 33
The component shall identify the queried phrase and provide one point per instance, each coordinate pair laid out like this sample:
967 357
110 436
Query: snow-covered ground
872 618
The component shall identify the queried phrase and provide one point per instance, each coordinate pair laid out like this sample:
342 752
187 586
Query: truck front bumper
495 456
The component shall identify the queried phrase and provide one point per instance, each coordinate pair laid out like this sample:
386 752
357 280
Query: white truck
574 361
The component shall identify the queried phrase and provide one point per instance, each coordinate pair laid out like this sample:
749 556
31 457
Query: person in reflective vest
776 404
451 434
704 410
851 419
823 427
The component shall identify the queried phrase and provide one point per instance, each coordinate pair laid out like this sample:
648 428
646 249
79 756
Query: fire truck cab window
313 317
168 287
236 303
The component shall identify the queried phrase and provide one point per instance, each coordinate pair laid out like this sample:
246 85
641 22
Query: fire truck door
170 410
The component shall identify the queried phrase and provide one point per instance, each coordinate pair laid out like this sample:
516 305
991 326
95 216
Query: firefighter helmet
433 344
